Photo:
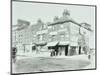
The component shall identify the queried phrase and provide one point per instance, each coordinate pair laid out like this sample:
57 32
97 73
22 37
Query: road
41 64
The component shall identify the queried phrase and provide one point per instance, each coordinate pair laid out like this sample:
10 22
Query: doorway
33 48
79 50
66 50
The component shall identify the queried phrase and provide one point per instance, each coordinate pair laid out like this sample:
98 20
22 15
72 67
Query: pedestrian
89 56
52 52
59 51
14 52
56 50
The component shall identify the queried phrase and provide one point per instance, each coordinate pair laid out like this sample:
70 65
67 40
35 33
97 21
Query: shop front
74 49
53 48
28 48
63 48
40 46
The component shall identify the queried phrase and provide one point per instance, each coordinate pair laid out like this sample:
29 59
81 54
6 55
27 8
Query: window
53 27
40 37
53 38
43 36
62 36
62 26
49 27
67 36
44 26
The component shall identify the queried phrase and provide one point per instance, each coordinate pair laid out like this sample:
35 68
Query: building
64 35
41 35
21 35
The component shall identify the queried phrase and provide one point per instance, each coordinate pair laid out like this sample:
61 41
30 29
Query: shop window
33 48
73 50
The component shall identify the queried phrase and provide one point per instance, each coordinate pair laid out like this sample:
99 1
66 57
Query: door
33 48
66 50
79 49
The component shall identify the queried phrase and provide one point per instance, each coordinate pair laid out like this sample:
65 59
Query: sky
33 11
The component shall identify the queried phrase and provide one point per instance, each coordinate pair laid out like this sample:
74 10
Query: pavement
35 54
47 54
92 63
36 63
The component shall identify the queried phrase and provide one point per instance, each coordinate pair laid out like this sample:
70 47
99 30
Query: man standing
14 51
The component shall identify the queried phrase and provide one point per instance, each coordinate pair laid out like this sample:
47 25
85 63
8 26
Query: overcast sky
33 11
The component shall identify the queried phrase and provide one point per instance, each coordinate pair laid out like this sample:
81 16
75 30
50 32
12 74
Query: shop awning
73 44
32 44
41 43
63 43
50 44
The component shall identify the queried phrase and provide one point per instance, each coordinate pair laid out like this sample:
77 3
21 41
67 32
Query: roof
19 27
20 21
61 21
